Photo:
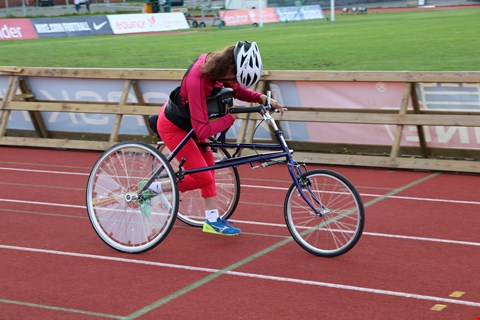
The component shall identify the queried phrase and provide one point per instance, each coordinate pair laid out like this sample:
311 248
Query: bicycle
323 211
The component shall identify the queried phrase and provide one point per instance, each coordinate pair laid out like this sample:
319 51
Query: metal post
260 12
332 10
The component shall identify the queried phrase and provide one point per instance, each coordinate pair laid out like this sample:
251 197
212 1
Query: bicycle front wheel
122 218
227 181
339 222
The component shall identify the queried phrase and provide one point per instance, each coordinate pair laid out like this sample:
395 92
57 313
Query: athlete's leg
195 158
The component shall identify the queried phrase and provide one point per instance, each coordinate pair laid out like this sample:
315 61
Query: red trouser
195 158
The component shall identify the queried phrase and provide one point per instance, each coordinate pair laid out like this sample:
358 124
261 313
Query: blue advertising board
72 26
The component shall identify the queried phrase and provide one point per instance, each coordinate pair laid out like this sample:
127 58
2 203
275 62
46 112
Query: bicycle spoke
337 226
113 199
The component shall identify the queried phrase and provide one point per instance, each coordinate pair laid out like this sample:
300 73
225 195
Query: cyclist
237 67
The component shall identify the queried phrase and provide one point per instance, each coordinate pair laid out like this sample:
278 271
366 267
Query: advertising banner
139 23
311 12
242 4
286 14
16 29
294 94
95 91
378 95
241 17
71 27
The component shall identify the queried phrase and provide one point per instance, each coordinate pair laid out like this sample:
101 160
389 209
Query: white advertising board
245 4
139 23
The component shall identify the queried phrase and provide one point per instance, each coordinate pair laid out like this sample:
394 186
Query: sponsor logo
237 17
99 26
62 27
136 24
147 22
16 29
7 32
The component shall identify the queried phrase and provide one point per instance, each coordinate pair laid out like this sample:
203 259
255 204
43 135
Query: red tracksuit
196 87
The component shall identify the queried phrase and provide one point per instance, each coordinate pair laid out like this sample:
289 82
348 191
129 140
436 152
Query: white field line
250 275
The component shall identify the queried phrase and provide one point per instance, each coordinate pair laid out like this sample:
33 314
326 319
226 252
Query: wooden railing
19 96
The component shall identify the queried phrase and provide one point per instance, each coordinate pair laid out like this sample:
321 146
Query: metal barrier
22 91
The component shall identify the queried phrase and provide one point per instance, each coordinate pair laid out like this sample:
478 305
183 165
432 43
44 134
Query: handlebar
245 109
260 108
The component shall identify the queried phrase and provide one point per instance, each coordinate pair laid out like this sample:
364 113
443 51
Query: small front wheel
121 215
337 223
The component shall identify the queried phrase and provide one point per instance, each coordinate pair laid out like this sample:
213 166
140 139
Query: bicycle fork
296 172
303 185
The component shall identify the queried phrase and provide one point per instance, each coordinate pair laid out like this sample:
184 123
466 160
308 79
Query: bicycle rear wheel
119 215
339 226
192 206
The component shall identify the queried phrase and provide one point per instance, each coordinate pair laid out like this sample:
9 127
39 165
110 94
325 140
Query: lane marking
55 308
205 280
228 271
403 188
271 188
466 243
438 307
423 199
375 234
456 294
379 195
268 224
45 171
45 203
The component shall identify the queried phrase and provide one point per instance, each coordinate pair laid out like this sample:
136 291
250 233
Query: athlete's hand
274 103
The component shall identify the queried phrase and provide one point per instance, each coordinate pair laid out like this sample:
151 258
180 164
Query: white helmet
248 62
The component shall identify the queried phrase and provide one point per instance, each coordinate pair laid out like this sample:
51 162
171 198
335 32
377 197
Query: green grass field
442 40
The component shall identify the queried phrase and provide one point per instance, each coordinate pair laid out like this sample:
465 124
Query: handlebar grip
245 109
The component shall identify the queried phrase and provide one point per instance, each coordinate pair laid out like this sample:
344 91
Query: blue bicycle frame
294 168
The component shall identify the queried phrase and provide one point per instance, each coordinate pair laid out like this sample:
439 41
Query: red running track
418 257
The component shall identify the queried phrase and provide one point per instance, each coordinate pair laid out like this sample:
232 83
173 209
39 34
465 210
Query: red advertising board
16 29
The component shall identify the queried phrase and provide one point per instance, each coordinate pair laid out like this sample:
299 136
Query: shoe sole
209 229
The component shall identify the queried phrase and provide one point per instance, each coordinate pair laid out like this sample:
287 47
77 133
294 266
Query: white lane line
374 234
44 203
268 224
250 275
45 171
379 195
422 199
266 187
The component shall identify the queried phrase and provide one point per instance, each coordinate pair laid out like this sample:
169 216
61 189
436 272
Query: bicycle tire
340 227
192 206
113 203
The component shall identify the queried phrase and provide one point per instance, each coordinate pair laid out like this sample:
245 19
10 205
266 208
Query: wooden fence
18 96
